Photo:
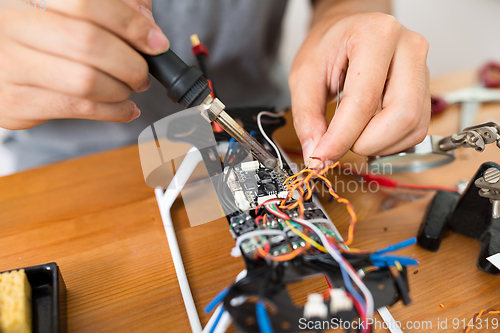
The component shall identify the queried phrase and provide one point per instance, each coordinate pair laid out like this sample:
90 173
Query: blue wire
216 300
232 143
350 287
397 246
263 319
216 322
385 261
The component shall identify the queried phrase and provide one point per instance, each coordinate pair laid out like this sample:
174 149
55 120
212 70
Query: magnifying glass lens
415 159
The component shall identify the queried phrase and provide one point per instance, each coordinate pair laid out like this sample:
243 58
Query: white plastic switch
250 166
315 308
263 199
241 200
282 194
339 301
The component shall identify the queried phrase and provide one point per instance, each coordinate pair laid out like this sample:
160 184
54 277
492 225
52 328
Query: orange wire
478 315
284 257
298 184
296 175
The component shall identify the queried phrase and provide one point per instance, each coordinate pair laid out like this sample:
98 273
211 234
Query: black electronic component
314 213
469 215
262 183
402 285
242 224
270 188
185 84
264 175
249 186
269 284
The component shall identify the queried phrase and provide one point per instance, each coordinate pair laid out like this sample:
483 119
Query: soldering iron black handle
185 84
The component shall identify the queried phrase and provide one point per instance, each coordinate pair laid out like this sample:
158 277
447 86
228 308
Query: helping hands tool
186 86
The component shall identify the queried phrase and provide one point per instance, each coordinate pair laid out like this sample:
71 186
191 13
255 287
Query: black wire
225 195
222 187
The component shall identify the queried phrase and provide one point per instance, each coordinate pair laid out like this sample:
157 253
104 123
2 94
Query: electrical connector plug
386 261
339 301
315 307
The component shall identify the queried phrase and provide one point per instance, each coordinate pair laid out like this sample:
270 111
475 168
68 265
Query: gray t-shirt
242 37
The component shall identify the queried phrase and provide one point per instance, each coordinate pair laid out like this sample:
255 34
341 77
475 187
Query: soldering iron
187 86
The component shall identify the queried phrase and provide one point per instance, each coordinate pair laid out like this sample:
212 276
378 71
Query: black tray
48 298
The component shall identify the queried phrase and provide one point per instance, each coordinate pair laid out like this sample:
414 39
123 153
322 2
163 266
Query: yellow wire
297 184
307 239
398 265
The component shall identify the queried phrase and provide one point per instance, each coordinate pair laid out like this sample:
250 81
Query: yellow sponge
15 302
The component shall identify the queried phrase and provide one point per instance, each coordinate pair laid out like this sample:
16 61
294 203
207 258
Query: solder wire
298 184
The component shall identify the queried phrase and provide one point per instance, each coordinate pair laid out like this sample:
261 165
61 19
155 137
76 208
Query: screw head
492 175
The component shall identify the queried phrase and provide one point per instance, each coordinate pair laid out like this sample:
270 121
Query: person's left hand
381 59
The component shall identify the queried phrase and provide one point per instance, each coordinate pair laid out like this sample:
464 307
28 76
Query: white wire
225 320
259 123
224 323
393 325
338 257
319 221
165 201
208 326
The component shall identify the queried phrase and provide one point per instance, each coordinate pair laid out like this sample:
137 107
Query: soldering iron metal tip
195 40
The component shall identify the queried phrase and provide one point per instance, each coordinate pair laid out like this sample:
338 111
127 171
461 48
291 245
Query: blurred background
462 34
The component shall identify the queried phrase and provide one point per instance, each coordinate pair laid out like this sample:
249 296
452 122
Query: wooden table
98 220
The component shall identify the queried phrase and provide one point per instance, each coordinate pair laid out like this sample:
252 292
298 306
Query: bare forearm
330 11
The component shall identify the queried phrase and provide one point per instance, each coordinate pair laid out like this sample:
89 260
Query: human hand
382 58
76 59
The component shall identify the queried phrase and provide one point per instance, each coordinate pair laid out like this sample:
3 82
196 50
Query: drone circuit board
284 235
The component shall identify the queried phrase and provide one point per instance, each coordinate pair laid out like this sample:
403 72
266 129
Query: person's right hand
76 59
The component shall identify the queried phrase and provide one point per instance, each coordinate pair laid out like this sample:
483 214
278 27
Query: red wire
200 49
267 247
328 282
428 187
266 202
361 312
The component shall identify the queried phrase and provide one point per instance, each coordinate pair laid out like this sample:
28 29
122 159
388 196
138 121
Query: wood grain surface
95 217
